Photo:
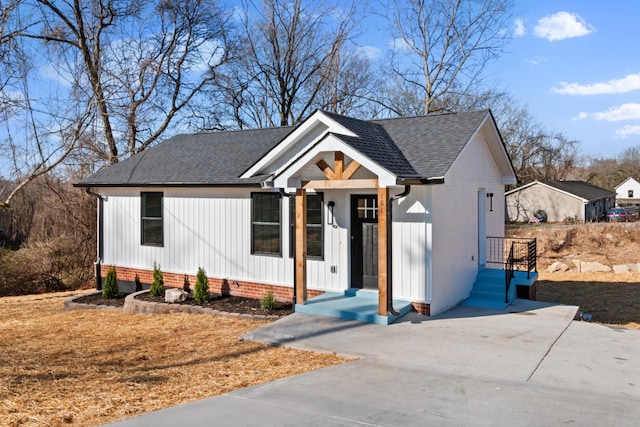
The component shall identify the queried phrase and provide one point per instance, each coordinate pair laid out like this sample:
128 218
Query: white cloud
370 52
628 111
61 76
562 25
399 45
536 60
626 84
519 28
628 130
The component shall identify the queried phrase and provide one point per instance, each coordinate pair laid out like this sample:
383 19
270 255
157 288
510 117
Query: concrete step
485 303
489 290
487 294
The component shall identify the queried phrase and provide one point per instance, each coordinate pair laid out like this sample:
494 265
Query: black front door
364 241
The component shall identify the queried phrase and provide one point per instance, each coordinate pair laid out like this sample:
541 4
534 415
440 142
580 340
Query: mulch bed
96 299
225 303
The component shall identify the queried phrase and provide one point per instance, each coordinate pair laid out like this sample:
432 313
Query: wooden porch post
301 246
383 198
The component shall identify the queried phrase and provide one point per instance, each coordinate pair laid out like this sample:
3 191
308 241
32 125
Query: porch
354 304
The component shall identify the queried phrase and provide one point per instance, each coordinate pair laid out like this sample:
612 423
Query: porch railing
509 273
520 252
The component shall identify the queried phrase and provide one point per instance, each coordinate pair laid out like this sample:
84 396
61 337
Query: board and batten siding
456 251
209 228
411 247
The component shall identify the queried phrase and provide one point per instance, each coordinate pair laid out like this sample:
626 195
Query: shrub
157 287
268 302
110 289
201 290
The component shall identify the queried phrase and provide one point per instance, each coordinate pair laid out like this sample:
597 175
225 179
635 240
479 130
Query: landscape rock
608 236
626 268
557 266
623 268
175 295
591 267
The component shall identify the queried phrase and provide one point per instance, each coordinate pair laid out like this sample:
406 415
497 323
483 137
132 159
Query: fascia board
294 137
334 143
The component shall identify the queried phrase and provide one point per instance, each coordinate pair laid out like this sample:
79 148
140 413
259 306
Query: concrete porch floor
353 304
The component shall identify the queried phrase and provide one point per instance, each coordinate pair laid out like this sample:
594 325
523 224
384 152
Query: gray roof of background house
581 189
412 147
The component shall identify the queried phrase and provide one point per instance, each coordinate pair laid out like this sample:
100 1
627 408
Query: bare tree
121 74
139 63
441 48
610 172
536 154
292 53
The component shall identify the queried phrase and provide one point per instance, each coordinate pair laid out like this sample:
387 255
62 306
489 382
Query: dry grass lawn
90 367
609 298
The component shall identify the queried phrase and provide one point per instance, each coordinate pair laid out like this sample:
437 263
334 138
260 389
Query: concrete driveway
529 365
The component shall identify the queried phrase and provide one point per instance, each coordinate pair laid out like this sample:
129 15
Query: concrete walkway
529 365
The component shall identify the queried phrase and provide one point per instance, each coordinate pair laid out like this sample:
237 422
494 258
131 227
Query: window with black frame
151 219
315 246
265 224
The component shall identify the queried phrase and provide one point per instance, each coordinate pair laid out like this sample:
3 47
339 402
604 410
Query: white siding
622 192
411 245
455 222
211 228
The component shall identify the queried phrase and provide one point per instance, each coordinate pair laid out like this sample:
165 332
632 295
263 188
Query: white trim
294 137
332 143
627 180
503 162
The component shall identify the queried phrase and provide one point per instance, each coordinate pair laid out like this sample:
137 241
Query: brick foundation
422 308
227 286
216 285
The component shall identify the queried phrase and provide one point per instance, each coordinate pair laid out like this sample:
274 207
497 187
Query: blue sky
576 66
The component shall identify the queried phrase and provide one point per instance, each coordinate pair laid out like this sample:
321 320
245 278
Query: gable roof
413 147
635 182
580 189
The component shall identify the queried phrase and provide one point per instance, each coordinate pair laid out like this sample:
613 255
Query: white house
558 200
628 192
401 207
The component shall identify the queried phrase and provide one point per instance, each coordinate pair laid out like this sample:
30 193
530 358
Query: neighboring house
559 200
401 203
628 192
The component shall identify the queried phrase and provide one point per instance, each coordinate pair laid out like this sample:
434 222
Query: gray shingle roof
432 143
216 158
581 189
424 146
413 147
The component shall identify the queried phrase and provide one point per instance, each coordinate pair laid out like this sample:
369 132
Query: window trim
253 241
143 218
292 227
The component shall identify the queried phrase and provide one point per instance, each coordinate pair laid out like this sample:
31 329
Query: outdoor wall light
331 205
490 197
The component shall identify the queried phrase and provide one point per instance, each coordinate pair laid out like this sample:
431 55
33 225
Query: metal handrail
523 253
509 274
